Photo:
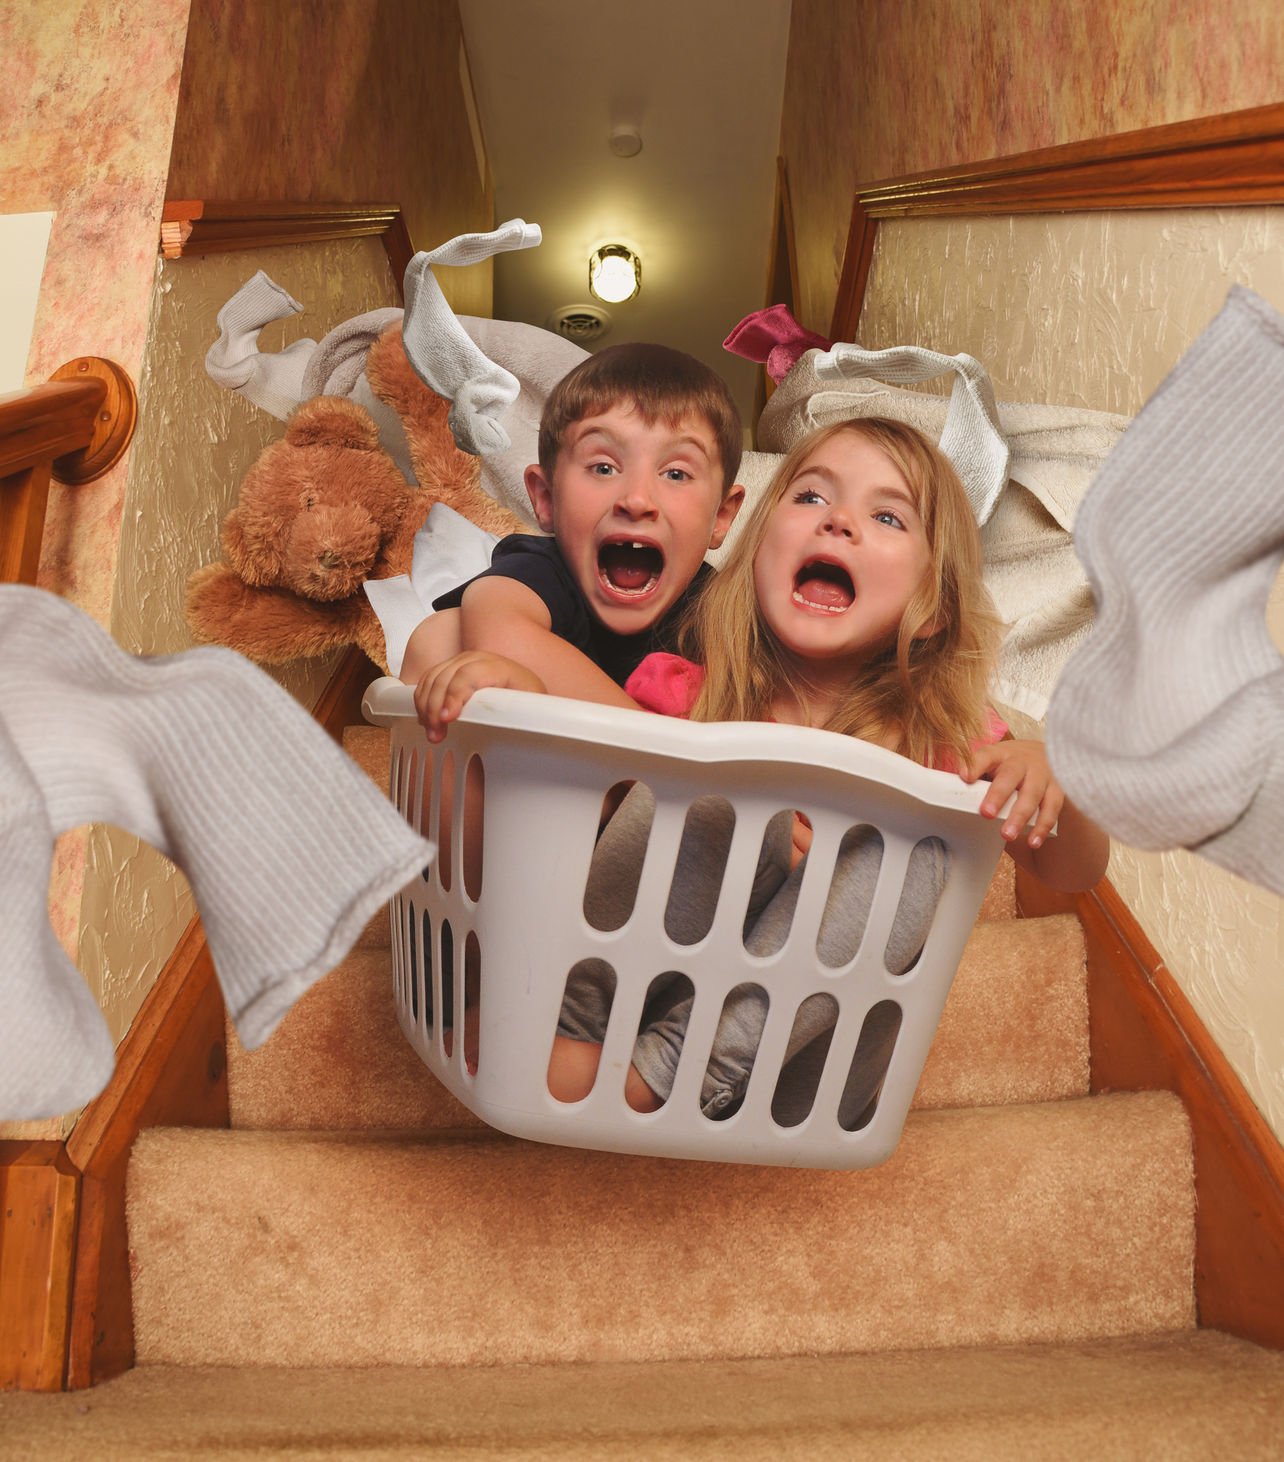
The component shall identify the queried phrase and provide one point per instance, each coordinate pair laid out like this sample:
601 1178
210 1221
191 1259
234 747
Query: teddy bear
325 508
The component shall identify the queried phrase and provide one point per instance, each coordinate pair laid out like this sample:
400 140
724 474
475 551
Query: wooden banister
74 429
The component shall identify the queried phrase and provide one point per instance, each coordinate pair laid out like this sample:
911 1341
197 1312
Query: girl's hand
1020 767
445 689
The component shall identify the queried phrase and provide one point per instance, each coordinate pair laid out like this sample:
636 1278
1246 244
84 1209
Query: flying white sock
444 357
1167 725
288 846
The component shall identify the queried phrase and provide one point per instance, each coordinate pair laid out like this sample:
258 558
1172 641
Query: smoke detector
583 324
626 141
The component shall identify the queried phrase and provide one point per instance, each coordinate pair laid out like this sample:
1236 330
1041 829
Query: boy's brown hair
663 384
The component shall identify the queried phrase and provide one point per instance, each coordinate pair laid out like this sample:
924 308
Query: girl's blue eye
885 515
808 495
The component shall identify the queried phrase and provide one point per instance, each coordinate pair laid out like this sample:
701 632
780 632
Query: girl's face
843 554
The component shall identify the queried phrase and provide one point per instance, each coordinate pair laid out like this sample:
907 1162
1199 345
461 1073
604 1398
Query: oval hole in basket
587 998
615 869
697 874
770 914
799 1078
864 1084
661 1032
851 893
412 959
445 980
424 794
472 1001
427 950
925 878
406 789
474 802
735 1048
446 819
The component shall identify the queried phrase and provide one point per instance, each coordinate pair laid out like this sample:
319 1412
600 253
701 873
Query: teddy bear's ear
332 421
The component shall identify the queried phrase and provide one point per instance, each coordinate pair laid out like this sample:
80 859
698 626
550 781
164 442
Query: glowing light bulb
615 273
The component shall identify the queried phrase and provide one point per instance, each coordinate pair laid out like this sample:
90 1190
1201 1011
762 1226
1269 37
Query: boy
639 447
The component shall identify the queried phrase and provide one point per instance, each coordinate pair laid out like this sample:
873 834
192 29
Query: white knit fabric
970 437
442 354
1167 726
288 846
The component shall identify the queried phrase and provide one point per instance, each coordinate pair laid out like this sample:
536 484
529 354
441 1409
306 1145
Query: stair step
1183 1398
1015 1029
1061 1221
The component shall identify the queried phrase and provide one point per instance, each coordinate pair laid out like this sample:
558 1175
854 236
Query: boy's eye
602 469
676 474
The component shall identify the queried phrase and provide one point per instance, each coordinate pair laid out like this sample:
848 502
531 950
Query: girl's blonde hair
922 695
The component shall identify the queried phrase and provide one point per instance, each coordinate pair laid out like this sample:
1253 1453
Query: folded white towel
448 551
287 844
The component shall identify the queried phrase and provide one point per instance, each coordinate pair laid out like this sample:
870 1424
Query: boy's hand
1020 767
445 689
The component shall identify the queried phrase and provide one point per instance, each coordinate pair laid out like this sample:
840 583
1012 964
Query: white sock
55 1050
444 357
273 382
1167 725
288 845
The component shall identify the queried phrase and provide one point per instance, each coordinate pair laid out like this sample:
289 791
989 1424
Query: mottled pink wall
90 88
879 88
347 101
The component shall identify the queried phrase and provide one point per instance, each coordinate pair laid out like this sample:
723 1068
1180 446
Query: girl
852 601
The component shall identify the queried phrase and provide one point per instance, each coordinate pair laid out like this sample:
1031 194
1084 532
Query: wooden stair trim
39 1205
1145 1035
201 226
171 1070
1233 158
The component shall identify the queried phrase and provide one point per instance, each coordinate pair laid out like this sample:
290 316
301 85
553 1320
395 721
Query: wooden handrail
74 428
46 422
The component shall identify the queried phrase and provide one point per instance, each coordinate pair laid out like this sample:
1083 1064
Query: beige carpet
1189 1397
360 1269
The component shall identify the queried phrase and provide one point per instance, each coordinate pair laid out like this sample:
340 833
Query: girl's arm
1072 859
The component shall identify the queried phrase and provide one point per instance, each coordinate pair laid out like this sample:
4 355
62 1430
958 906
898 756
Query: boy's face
634 508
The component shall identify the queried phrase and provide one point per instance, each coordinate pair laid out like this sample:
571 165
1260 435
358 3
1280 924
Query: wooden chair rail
1236 158
201 226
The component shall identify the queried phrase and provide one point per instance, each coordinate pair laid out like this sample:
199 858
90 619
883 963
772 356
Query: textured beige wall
876 89
1094 310
194 445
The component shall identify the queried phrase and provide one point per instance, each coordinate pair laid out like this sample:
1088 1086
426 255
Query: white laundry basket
546 767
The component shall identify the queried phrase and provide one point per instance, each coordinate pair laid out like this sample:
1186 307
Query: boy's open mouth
824 586
630 567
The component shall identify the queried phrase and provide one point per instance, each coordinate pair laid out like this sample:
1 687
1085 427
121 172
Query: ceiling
701 81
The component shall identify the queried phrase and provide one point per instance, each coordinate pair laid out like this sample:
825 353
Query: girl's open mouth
630 567
824 586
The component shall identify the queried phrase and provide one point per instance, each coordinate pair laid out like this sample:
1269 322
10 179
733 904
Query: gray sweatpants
613 877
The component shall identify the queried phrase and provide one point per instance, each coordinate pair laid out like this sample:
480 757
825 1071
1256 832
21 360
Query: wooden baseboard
1146 1036
39 1199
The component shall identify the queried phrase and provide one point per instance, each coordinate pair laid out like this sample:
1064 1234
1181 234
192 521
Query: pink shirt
669 685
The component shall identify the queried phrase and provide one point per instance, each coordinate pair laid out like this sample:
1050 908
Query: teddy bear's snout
332 550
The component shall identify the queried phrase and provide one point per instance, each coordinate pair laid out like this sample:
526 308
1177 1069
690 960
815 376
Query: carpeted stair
361 1269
